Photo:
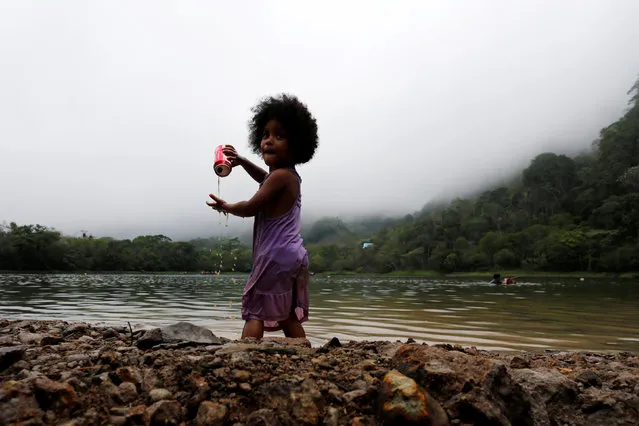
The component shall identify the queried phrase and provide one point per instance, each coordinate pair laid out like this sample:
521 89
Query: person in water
284 132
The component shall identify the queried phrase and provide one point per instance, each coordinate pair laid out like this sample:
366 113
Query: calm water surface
533 315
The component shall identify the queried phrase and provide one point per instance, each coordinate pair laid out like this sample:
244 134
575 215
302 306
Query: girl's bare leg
292 327
253 328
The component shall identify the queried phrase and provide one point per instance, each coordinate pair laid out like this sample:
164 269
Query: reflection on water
557 314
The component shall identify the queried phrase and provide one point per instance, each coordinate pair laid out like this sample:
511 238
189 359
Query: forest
560 214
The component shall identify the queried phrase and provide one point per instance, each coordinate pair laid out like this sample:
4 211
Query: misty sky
110 111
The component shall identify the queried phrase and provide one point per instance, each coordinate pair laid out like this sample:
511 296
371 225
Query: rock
128 392
589 378
356 394
242 376
165 413
303 402
77 357
150 338
137 415
332 417
117 420
86 339
544 387
150 379
474 387
160 394
129 374
240 358
333 343
292 341
362 421
402 401
6 340
266 417
210 413
119 411
54 395
78 328
112 391
596 400
518 362
50 340
71 423
10 355
368 364
187 332
244 387
321 363
17 403
30 338
110 333
182 332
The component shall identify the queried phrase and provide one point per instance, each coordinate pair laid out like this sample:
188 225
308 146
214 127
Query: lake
595 315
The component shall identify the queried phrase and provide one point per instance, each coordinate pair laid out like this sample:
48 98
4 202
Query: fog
110 111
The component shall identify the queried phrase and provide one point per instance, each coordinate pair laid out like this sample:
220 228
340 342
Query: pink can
222 165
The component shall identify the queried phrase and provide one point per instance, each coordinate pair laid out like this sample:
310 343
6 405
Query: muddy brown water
565 314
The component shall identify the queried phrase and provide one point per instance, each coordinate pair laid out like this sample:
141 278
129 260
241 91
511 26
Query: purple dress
278 283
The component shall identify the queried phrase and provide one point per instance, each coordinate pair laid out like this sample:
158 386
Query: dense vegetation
561 214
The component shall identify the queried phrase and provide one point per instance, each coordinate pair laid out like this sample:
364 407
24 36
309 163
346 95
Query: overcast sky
110 111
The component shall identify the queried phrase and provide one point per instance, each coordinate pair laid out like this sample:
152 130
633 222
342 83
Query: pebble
160 394
10 355
589 378
119 411
77 357
353 395
321 363
242 375
368 364
128 392
165 413
332 417
137 415
117 420
211 413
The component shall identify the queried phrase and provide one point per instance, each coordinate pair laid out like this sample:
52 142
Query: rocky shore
54 372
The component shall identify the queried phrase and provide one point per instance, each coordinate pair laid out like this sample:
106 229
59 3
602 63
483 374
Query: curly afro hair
294 117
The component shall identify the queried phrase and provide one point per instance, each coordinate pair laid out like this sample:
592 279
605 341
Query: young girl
284 133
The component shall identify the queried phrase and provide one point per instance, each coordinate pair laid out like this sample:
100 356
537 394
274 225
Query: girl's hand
217 204
232 155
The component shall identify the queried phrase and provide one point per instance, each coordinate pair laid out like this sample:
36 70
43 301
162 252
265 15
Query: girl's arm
255 171
268 193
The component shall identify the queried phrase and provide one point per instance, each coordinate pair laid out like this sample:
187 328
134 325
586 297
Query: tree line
38 248
561 213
